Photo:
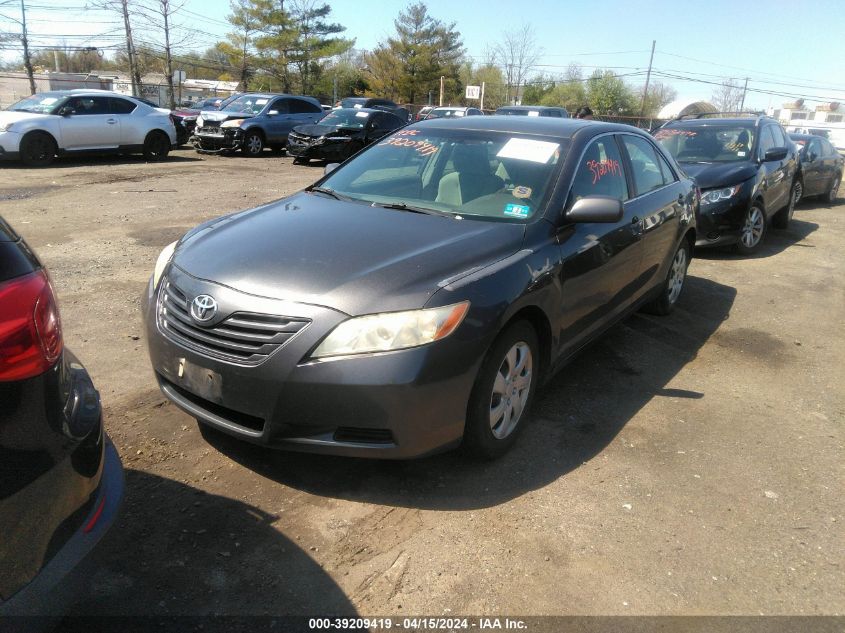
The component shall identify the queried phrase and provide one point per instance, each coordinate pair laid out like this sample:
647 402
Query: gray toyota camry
416 296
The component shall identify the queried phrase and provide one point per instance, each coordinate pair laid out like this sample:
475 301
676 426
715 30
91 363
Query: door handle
111 121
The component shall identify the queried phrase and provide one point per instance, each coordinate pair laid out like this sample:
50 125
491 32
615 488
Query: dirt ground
684 465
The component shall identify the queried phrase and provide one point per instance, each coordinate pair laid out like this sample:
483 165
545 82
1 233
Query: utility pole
647 78
134 72
27 61
442 78
744 89
168 61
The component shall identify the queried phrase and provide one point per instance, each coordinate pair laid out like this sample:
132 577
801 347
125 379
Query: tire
300 161
38 149
782 218
673 286
278 150
156 146
253 144
500 398
833 192
753 230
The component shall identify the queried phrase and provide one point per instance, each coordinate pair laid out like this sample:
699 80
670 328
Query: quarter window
600 172
645 169
120 106
814 148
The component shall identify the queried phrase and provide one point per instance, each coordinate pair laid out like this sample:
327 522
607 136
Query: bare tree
160 15
122 7
728 96
27 60
517 55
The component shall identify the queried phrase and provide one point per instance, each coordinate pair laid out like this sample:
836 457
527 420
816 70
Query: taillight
30 327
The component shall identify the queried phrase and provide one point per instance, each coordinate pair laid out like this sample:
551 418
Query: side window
814 148
300 106
668 174
779 136
120 106
554 113
600 172
281 106
377 122
767 141
644 166
829 150
89 105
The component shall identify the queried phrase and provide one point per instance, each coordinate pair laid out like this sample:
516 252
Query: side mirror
66 111
272 113
811 156
595 209
329 168
775 153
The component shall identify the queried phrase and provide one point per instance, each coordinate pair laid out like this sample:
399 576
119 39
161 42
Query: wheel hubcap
752 230
511 389
254 145
677 275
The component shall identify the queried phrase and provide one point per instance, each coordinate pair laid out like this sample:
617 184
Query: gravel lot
689 465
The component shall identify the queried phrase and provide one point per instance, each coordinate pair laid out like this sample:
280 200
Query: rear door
813 168
831 165
130 127
657 203
601 261
774 196
291 112
90 125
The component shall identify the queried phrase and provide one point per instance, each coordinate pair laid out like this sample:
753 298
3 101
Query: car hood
347 256
216 115
316 130
10 116
711 175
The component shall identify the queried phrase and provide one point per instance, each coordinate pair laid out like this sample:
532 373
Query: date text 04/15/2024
417 624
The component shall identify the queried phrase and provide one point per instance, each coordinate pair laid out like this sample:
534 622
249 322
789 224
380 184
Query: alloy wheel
677 275
254 145
511 389
752 230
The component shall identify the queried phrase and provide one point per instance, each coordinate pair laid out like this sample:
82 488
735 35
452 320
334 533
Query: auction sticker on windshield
528 149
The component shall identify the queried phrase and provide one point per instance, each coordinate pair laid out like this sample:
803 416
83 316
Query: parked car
423 113
820 168
417 295
340 134
449 111
375 104
61 481
185 118
254 121
63 122
551 111
746 168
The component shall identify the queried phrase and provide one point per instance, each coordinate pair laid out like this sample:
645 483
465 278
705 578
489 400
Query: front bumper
217 139
9 145
720 224
300 148
395 405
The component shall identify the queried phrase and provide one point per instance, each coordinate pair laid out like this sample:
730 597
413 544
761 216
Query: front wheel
503 391
253 144
38 149
753 230
156 146
672 287
784 216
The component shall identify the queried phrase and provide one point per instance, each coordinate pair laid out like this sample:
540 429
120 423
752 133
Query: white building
827 119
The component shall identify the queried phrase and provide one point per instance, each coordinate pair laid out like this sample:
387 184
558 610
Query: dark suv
746 169
254 121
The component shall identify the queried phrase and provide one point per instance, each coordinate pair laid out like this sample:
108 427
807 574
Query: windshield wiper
329 192
401 206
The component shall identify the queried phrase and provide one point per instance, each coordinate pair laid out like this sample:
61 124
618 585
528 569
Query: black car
416 296
61 481
376 103
746 168
551 111
340 134
254 121
820 167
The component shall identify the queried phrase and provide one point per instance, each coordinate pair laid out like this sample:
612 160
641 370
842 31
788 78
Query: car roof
529 107
542 126
81 92
748 121
795 136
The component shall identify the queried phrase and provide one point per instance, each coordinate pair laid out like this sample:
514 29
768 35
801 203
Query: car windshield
518 112
247 103
352 102
708 143
44 103
474 174
439 114
346 117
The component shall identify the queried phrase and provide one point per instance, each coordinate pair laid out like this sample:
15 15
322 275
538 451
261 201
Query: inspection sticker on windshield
533 113
362 115
528 149
261 101
517 210
49 100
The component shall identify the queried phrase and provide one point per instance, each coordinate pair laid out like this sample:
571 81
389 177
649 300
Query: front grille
244 337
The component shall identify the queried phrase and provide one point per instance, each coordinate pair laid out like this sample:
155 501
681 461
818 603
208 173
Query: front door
89 124
601 261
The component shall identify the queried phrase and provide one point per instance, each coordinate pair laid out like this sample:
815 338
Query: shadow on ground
65 162
576 416
178 552
775 241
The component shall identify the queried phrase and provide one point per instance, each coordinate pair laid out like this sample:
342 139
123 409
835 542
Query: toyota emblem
203 308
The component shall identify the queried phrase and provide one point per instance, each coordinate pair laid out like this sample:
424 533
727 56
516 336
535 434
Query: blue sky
782 47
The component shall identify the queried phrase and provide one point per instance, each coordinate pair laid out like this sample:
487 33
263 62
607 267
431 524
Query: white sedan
38 128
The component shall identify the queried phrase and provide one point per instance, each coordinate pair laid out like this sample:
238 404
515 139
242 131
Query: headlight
392 331
200 121
162 262
717 195
232 123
